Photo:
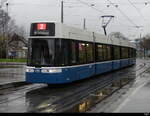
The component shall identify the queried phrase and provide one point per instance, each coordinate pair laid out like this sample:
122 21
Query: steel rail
84 93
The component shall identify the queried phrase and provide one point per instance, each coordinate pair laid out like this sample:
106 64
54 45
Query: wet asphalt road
35 97
12 73
139 99
132 98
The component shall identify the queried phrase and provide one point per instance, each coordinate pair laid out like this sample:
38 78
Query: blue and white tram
61 54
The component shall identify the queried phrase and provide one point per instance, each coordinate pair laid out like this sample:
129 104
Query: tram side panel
130 61
116 56
66 75
116 64
103 67
85 71
42 77
124 63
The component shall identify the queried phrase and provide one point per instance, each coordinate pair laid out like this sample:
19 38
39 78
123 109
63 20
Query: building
17 47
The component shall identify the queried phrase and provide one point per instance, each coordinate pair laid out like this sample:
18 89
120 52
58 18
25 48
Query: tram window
108 52
65 49
105 52
99 53
129 52
89 51
82 53
61 55
42 52
73 52
134 53
29 60
116 52
124 52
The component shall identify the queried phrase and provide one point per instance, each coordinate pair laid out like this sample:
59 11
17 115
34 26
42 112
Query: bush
13 60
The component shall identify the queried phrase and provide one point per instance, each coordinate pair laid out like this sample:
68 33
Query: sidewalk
12 63
138 101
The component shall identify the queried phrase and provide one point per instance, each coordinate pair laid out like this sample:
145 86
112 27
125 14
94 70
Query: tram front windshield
41 52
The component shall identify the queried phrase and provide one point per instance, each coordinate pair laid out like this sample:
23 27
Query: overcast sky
128 14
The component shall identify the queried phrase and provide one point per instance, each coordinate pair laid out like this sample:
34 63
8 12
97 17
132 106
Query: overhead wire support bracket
106 22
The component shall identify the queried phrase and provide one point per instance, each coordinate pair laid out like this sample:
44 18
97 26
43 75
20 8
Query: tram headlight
29 70
51 70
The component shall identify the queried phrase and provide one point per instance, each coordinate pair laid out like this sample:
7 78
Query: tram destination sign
42 29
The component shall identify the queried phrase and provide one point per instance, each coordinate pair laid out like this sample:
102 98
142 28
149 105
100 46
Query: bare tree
116 35
4 19
21 31
7 29
145 43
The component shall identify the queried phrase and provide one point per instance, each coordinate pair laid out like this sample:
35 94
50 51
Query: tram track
90 90
21 91
78 96
140 67
116 99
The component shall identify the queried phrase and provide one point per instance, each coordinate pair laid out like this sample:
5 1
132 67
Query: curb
12 63
12 85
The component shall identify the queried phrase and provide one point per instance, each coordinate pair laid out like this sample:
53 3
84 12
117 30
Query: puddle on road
94 98
98 96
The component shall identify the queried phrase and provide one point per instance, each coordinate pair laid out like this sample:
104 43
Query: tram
59 54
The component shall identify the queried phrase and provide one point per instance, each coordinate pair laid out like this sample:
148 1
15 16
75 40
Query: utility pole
1 48
140 36
6 30
2 38
62 12
84 24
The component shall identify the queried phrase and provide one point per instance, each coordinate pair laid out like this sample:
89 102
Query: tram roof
68 32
